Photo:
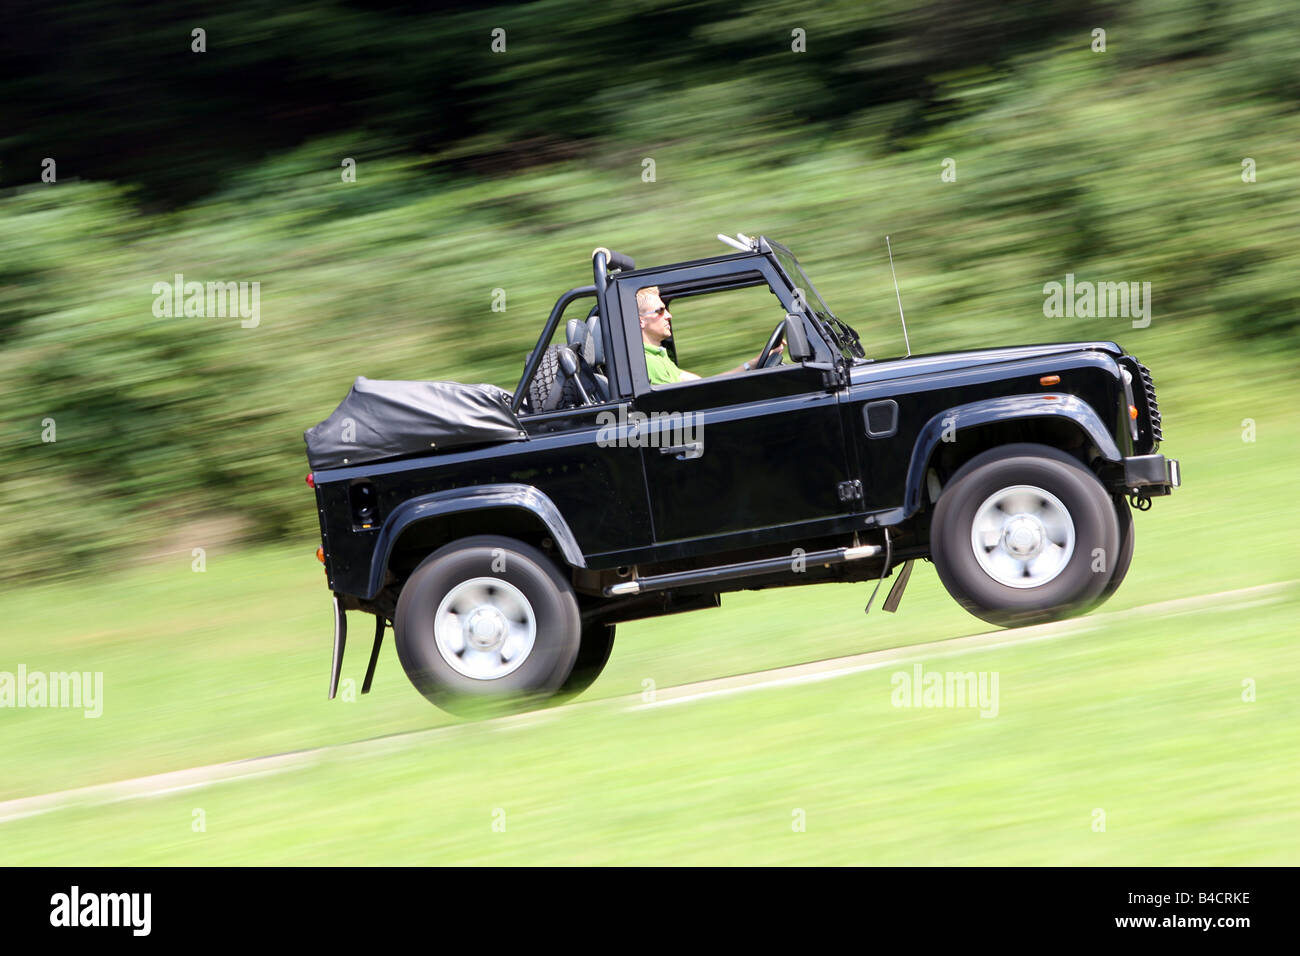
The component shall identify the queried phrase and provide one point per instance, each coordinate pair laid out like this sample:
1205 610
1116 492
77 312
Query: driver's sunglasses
657 313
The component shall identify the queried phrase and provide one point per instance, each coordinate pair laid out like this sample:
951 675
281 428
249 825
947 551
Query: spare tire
550 389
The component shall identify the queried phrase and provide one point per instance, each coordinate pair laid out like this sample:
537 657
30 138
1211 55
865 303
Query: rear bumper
1149 475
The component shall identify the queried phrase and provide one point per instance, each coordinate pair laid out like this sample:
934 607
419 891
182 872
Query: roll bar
602 260
535 359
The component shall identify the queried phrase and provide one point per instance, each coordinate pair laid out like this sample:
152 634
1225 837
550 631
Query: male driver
656 325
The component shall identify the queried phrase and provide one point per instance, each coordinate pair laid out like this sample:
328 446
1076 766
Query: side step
744 569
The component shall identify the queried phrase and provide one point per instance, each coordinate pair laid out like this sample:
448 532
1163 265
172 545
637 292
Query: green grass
1142 719
1148 727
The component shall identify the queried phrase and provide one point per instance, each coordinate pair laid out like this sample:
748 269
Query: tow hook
1139 501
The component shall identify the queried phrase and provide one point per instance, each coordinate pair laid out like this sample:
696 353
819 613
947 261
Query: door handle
692 449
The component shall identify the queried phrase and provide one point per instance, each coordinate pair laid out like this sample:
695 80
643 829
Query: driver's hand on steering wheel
776 350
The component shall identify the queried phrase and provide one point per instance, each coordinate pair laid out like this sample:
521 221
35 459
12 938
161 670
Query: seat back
586 340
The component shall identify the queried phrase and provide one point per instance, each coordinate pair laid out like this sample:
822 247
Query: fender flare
476 498
1008 408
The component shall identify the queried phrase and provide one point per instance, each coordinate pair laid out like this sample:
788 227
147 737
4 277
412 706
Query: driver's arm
753 363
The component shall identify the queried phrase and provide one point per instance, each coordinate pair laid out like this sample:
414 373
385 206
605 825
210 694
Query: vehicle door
731 454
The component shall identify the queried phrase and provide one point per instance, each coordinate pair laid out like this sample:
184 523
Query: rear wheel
487 625
1022 535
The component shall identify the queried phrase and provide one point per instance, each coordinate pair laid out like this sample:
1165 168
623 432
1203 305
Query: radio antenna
899 297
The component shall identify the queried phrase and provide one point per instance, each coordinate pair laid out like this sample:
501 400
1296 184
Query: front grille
1153 408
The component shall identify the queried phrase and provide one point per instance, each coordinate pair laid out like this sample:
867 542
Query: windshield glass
843 335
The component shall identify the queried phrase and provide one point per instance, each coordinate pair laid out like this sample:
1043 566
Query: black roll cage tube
535 359
600 273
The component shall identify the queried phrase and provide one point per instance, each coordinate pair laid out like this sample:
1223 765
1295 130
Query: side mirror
569 366
796 338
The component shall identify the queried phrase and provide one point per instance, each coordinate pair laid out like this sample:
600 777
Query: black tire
1075 586
1124 558
549 390
518 573
593 654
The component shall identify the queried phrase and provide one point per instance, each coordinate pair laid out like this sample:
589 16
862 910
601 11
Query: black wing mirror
796 338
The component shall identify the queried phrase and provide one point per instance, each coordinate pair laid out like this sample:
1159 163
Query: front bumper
1149 475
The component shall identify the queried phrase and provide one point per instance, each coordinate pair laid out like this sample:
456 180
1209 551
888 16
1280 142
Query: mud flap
340 642
374 653
884 570
896 592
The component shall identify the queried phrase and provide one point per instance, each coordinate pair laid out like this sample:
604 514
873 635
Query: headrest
575 332
594 349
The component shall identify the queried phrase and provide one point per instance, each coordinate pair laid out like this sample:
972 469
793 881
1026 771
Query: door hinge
836 377
850 490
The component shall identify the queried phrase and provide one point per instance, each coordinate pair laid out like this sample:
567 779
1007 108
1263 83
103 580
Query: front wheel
1124 558
487 625
1024 534
597 642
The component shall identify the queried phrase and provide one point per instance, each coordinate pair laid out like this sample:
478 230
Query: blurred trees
478 171
115 91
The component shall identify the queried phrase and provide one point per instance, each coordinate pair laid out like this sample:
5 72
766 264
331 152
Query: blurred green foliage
116 91
479 171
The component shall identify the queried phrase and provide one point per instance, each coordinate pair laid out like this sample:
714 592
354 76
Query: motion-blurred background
382 169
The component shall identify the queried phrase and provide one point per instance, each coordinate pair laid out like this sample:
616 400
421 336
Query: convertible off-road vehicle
505 535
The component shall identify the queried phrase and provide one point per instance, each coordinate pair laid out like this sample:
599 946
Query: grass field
1141 718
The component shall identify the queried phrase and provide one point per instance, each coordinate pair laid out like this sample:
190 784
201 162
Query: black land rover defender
505 535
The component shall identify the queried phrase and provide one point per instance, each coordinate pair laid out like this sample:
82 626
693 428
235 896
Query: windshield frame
839 333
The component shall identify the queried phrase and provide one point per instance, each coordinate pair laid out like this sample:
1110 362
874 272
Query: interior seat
586 340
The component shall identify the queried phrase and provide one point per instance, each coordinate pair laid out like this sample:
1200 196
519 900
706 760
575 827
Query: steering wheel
765 358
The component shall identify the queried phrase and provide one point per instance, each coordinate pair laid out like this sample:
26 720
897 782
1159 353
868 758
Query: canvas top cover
384 419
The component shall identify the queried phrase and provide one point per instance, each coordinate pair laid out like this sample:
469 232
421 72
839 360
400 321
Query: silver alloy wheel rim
485 628
1022 536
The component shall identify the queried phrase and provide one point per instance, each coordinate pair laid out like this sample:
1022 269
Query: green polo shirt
661 369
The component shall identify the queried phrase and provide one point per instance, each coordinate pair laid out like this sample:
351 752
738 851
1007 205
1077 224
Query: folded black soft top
386 419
